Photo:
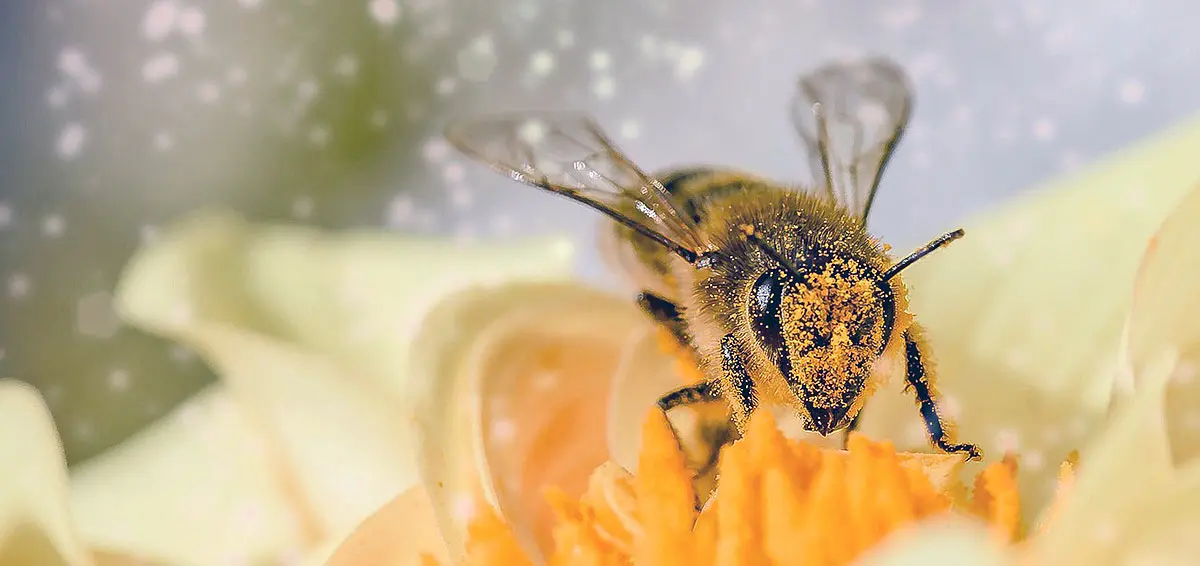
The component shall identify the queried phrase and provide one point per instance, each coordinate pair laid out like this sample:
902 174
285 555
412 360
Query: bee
778 290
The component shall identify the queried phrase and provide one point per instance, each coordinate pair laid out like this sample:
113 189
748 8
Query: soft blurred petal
358 297
35 525
206 466
311 331
943 541
396 535
1126 465
1164 331
512 388
1025 314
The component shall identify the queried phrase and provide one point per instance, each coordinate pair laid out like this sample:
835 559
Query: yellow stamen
778 501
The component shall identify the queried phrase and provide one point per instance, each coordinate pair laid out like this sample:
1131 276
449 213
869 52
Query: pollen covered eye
766 295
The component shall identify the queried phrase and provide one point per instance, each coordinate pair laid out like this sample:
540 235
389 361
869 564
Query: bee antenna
753 238
925 250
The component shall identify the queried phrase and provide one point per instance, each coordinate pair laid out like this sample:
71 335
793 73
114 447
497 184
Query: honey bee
778 290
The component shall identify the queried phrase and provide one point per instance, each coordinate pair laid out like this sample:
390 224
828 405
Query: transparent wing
567 154
851 116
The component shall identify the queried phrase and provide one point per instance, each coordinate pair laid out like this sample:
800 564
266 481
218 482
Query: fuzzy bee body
779 291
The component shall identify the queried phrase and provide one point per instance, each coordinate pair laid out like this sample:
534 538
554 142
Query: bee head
823 326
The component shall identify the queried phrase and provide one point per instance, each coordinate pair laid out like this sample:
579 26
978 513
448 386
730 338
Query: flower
305 433
1028 361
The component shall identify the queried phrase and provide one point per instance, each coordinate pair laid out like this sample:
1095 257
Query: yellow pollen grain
779 501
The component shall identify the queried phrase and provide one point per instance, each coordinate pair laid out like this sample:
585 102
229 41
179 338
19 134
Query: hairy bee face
824 333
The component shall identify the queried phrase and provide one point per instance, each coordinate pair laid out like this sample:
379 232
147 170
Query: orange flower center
778 501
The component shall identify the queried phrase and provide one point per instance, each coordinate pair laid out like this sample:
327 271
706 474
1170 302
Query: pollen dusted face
824 333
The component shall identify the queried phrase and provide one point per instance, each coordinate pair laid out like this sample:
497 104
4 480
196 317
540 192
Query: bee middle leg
921 384
666 314
712 430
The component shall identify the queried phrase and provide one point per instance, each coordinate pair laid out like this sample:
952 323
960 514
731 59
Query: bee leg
709 435
921 384
665 313
737 380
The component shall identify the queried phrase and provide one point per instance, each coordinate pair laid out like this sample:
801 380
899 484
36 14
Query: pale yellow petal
1024 315
357 296
312 331
35 524
1126 465
204 467
395 535
943 541
1163 324
512 391
343 443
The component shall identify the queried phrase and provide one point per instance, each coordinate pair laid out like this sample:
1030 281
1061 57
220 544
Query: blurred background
119 116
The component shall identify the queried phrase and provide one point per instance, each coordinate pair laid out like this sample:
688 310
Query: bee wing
850 117
568 154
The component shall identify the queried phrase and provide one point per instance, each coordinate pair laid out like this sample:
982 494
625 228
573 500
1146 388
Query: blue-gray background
120 115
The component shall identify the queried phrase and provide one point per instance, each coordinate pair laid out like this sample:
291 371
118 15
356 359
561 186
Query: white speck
385 12
1131 92
71 62
250 3
446 86
1043 129
502 224
477 60
504 430
6 215
400 211
95 316
307 89
118 380
565 37
691 59
57 97
462 507
649 47
319 136
630 129
160 67
600 60
1008 440
346 66
604 87
532 132
453 173
379 118
70 140
435 150
1033 460
53 225
460 197
545 381
900 17
163 141
148 233
192 21
159 20
18 285
208 92
302 207
180 354
541 63
236 76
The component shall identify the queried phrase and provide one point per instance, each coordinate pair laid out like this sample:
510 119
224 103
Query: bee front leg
921 382
853 426
665 313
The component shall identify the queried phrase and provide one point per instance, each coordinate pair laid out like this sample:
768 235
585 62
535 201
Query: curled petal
205 463
1163 332
395 535
35 526
1025 313
311 332
511 388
